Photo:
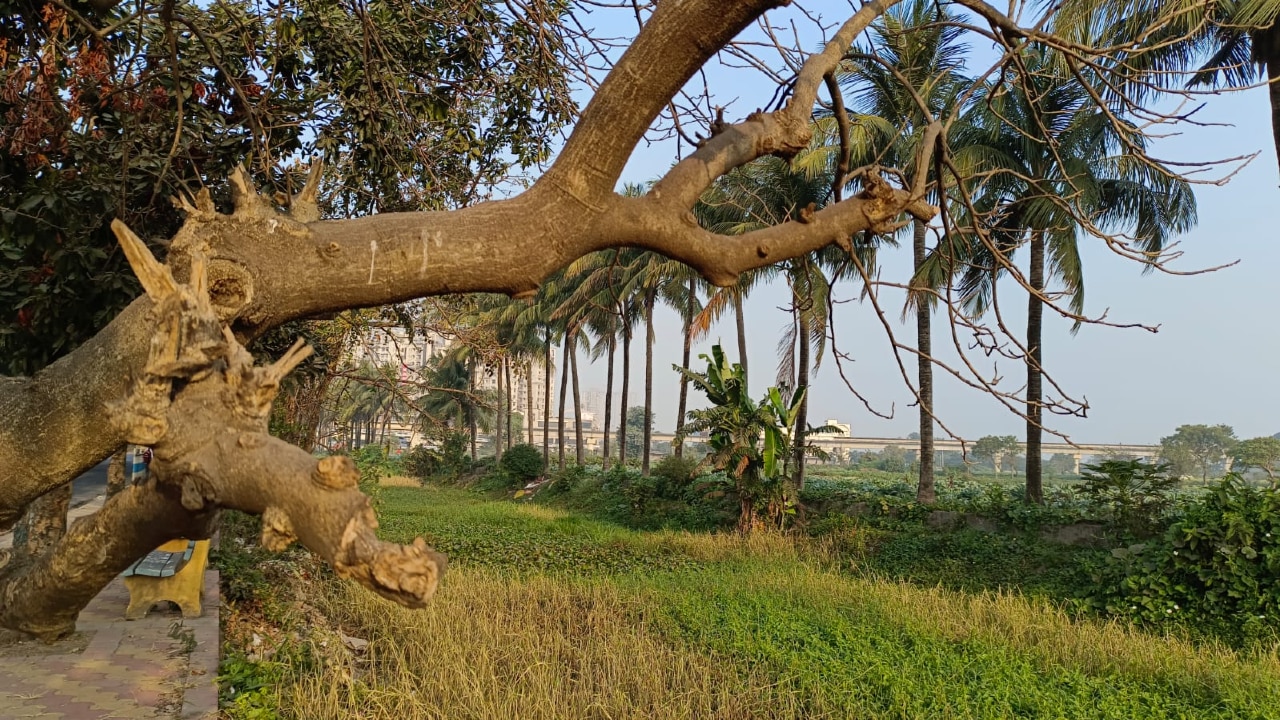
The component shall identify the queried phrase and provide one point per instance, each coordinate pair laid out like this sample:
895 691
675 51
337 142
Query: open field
546 614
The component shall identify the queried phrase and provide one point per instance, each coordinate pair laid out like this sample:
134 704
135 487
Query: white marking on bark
373 256
425 237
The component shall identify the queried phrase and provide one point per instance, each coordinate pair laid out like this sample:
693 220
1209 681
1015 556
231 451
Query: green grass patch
478 532
549 614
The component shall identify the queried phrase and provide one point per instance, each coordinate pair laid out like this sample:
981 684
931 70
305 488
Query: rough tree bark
564 388
43 524
650 299
117 478
691 300
577 404
608 400
740 321
500 421
626 387
926 493
802 383
510 398
546 403
192 392
1035 323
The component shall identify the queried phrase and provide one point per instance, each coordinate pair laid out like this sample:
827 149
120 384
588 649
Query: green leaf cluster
1216 568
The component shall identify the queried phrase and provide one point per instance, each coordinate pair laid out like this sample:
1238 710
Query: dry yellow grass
400 481
530 649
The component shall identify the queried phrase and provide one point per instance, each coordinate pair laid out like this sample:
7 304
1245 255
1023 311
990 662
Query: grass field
547 614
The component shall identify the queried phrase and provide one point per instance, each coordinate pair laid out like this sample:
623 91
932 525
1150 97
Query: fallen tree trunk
189 389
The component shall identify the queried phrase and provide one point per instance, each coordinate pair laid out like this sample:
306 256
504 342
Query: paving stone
126 669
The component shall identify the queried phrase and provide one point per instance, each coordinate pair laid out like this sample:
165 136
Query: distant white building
842 430
390 345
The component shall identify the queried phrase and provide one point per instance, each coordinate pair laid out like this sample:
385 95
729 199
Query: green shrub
422 462
1131 494
374 463
239 558
674 475
1216 568
522 462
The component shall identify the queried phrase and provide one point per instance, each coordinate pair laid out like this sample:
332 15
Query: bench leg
190 607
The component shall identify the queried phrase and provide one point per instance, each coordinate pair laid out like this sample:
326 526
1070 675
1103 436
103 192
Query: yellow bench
174 572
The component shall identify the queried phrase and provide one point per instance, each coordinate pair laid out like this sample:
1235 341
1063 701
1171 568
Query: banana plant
751 442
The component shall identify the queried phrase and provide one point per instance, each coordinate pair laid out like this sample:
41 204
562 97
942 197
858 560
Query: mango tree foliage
411 105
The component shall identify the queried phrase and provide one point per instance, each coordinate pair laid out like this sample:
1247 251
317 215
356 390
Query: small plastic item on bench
174 572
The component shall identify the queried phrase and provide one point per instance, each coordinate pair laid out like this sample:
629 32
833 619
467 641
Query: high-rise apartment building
391 346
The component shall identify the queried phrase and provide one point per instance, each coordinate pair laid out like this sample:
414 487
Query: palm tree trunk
472 425
1266 44
564 387
528 401
622 407
1035 318
741 320
802 383
926 491
546 404
678 443
608 400
650 299
577 404
498 421
506 371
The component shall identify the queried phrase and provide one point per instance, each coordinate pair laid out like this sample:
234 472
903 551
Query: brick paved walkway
160 666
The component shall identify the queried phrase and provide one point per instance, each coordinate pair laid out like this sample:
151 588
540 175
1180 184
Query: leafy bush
674 475
374 463
422 462
1130 493
1216 568
240 558
522 462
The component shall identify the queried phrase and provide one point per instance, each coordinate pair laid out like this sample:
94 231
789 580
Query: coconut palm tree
452 398
605 291
771 191
718 211
367 401
908 75
688 304
1053 169
1232 43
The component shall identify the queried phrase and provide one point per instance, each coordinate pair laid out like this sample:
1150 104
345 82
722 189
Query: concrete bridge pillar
1076 457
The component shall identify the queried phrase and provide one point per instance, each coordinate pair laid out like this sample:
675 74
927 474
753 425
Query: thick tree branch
677 40
203 405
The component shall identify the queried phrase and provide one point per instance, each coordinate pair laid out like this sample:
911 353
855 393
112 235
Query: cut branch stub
305 206
336 472
277 530
155 278
211 439
246 199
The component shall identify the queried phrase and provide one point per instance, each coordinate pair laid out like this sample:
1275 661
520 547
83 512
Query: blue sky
1212 361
